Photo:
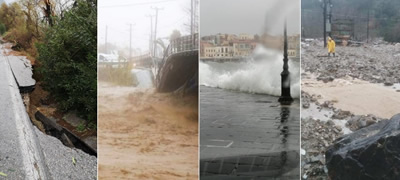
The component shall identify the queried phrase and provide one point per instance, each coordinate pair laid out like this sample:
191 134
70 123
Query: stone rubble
318 135
373 62
379 59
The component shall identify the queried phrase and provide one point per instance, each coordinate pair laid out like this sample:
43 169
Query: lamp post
285 98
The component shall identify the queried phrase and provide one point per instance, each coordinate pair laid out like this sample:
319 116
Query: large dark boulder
369 153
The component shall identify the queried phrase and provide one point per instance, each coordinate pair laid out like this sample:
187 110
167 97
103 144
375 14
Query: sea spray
258 74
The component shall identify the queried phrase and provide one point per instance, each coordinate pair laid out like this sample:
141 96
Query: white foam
143 77
259 74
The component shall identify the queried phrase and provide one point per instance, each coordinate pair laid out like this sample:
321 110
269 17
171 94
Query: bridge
178 69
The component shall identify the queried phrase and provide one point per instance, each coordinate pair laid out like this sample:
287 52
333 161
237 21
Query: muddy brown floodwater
146 135
358 96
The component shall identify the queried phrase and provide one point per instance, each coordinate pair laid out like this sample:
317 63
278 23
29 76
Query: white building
218 51
244 36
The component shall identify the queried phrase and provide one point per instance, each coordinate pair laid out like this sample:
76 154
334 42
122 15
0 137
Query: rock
325 79
341 114
330 123
357 122
316 136
388 83
73 119
369 153
327 104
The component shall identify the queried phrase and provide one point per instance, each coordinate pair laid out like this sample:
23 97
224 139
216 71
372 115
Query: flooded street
247 136
146 135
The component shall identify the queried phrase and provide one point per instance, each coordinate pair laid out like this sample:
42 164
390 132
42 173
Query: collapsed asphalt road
27 153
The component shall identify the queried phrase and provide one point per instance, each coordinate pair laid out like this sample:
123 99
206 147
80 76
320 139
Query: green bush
2 29
67 60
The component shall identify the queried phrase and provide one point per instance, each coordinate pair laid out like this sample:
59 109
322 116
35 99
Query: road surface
27 153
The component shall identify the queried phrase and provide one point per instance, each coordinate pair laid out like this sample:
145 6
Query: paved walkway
247 136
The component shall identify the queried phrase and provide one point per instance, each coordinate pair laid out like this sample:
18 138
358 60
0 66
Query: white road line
220 140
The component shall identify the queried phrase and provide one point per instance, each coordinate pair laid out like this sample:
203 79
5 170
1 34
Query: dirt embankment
146 135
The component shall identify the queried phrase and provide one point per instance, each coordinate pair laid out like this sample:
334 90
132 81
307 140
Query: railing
140 57
182 44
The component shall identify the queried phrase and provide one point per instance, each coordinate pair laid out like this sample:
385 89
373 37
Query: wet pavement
26 152
247 136
20 157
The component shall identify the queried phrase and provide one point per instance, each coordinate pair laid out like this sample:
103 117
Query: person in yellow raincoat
331 46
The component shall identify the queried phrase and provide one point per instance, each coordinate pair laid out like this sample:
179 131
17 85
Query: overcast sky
249 16
118 14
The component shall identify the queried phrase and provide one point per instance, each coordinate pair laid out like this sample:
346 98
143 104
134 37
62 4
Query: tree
68 60
175 34
388 15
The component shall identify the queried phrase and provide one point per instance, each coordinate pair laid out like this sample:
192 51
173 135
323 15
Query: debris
303 152
378 60
3 174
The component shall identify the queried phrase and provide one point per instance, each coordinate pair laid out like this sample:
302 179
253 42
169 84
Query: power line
136 4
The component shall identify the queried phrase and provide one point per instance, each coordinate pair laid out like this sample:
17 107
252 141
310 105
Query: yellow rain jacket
331 45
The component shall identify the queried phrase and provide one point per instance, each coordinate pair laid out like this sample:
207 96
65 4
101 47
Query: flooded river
146 135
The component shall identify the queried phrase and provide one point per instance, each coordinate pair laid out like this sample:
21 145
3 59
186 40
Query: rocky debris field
317 135
322 123
374 62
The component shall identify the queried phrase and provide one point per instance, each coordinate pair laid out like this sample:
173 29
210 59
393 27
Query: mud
146 135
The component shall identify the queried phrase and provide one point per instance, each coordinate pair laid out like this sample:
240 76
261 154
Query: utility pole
368 25
325 5
155 30
330 18
192 22
191 17
130 41
106 40
151 34
324 11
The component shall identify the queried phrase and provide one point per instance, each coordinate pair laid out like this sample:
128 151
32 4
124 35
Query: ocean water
258 74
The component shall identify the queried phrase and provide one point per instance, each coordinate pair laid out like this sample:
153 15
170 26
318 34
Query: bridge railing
140 57
184 43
